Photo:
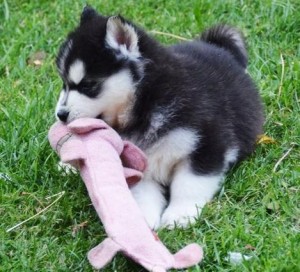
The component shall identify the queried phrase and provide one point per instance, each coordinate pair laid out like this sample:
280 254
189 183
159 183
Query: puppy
191 107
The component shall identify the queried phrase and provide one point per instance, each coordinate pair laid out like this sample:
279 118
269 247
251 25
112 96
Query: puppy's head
100 65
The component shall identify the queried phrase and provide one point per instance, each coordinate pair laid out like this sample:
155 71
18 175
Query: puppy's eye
85 86
90 88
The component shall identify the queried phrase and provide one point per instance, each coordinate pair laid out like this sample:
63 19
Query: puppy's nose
63 115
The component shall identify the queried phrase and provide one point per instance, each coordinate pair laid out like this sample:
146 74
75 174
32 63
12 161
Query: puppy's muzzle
63 115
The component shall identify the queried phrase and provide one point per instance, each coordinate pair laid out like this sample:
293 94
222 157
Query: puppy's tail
230 39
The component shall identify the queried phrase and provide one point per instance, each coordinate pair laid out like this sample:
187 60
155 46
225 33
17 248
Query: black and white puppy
191 107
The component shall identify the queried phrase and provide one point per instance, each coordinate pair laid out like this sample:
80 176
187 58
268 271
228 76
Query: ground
257 212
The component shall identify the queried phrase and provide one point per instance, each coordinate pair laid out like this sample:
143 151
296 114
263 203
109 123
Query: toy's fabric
97 150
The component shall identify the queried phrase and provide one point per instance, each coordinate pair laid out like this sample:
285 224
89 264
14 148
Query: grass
258 206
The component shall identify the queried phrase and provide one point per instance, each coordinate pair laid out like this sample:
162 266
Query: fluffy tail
230 39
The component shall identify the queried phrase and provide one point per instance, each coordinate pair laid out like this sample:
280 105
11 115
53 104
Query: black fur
223 36
204 80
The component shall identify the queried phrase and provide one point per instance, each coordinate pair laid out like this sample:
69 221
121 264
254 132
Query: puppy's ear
87 14
122 38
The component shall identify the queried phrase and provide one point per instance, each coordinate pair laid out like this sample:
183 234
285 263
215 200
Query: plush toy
104 162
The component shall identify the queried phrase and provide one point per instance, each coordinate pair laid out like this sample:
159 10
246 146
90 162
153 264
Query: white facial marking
168 152
59 102
112 103
189 193
78 105
76 71
117 92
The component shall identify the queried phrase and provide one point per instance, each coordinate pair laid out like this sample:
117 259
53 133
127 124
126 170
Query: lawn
257 212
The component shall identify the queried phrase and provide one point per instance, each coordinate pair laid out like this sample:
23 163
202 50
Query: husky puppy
191 107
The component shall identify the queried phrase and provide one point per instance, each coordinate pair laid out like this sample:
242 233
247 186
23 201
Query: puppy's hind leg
189 192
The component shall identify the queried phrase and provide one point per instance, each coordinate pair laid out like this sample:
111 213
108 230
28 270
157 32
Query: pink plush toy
96 149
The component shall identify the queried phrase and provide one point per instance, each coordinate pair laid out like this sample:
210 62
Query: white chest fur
171 149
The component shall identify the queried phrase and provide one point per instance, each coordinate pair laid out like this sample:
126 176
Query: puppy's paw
152 218
180 215
151 213
151 201
66 168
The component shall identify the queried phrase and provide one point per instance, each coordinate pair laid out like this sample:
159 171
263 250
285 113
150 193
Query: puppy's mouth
113 122
104 118
100 116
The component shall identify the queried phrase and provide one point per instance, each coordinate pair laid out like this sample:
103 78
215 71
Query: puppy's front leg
150 198
189 193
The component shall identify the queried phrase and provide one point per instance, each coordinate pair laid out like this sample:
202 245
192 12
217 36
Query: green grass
258 206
